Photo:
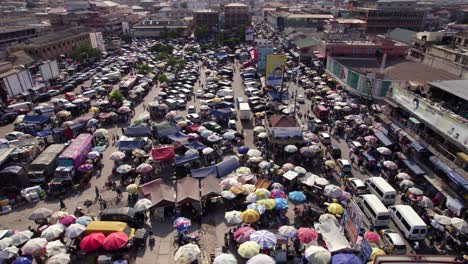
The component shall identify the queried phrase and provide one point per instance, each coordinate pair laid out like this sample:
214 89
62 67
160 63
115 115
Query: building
77 5
236 15
197 5
17 18
156 28
402 35
15 34
53 45
172 13
422 40
104 7
281 20
345 28
206 17
13 81
384 15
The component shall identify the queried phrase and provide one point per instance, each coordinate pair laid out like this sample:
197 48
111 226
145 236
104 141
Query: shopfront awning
453 175
383 139
414 121
414 168
210 186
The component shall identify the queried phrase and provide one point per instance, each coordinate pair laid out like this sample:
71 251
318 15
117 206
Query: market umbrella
93 109
459 224
63 113
277 185
376 252
325 217
415 191
259 129
23 260
233 217
247 178
261 259
407 183
93 155
181 223
269 204
187 254
262 193
55 247
254 153
264 165
40 213
243 149
318 255
124 168
181 124
34 245
139 153
242 234
281 204
300 170
372 237
193 136
243 170
101 132
6 242
75 230
115 241
257 207
330 164
335 208
384 151
144 168
8 253
332 191
84 220
287 231
255 159
248 249
59 259
370 139
250 216
277 193
224 258
390 165
53 232
248 188
207 151
237 189
306 235
117 156
228 182
345 258
252 198
264 238
143 205
206 133
92 242
21 237
229 135
403 176
124 109
297 197
132 188
228 195
290 148
442 219
425 202
262 135
288 166
56 216
67 220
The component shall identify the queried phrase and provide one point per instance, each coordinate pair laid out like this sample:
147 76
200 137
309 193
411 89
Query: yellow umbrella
19 120
330 163
259 114
56 216
249 249
237 189
248 188
216 100
250 216
335 209
93 109
63 113
262 193
324 76
269 204
376 252
132 188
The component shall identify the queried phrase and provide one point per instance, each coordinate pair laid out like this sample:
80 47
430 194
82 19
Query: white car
199 93
14 135
300 98
194 117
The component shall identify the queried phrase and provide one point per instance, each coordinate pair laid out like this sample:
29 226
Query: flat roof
236 4
458 88
350 20
318 16
6 29
59 35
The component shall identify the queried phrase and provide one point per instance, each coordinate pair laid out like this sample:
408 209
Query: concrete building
282 20
197 5
171 13
15 34
420 41
345 28
155 28
206 17
77 5
17 18
236 15
53 45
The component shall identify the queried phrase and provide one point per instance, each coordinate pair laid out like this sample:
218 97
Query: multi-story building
17 18
206 17
156 28
384 15
420 41
281 20
197 5
236 15
172 13
345 28
15 34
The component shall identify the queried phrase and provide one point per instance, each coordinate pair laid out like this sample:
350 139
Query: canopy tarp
44 133
181 160
160 194
285 132
137 131
35 119
193 128
196 145
453 175
383 139
222 112
128 145
188 190
164 129
178 137
417 146
163 153
332 236
414 168
209 186
204 172
227 166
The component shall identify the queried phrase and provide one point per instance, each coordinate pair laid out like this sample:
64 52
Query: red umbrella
372 237
277 193
243 234
115 241
92 242
67 220
305 235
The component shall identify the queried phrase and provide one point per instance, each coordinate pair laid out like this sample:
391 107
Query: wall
438 63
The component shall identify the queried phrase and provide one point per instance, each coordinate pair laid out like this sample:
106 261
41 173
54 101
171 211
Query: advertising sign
49 70
263 52
353 221
97 41
125 28
249 33
275 69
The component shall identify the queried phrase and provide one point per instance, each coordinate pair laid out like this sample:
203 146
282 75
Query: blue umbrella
182 223
22 260
243 149
84 220
297 197
264 238
345 259
281 203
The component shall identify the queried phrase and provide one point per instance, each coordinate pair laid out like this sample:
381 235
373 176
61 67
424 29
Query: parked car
213 126
393 241
324 138
356 186
300 98
7 117
14 135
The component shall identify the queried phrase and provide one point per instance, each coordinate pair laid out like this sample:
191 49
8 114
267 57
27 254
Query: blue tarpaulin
131 145
178 137
418 147
180 160
204 172
414 168
35 119
383 139
44 133
166 131
453 175
137 131
227 166
222 112
198 146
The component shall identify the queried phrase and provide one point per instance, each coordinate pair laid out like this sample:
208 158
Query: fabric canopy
196 145
414 168
35 119
193 128
160 194
204 172
163 153
178 137
227 166
131 145
332 236
181 160
137 131
210 185
383 139
453 175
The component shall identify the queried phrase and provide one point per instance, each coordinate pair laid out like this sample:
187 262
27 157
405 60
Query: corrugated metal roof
402 35
458 88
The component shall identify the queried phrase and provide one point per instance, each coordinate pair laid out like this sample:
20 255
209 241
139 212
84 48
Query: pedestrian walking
62 204
96 190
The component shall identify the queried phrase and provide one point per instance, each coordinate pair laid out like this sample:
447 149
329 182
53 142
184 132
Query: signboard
249 33
365 251
441 121
49 70
18 83
97 41
353 221
126 28
263 52
275 64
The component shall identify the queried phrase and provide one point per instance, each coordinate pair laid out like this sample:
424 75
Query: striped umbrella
264 238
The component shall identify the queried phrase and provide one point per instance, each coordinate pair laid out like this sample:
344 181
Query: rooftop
349 21
402 35
236 5
160 23
6 29
306 42
105 4
56 36
458 88
312 16
282 121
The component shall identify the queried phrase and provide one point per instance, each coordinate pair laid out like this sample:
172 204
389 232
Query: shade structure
288 166
442 219
403 176
257 207
86 168
40 213
243 170
265 239
277 193
254 153
261 259
345 258
92 242
67 220
269 204
332 191
250 216
53 232
425 202
8 253
115 241
228 182
318 255
335 209
290 149
228 195
264 165
242 150
181 223
59 259
75 230
6 242
33 246
243 234
297 197
117 156
306 235
132 188
144 168
287 231
56 216
237 189
415 191
251 198
259 129
376 252
390 165
281 204
143 205
123 169
21 237
459 224
262 193
372 236
55 247
233 217
248 249
224 258
187 254
84 220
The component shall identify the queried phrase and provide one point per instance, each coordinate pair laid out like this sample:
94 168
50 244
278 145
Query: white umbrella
187 254
300 170
224 258
6 242
384 151
332 191
93 155
21 237
233 217
318 255
249 188
264 165
259 129
207 151
229 135
290 149
59 259
254 153
191 152
403 176
406 183
442 219
117 156
262 135
459 224
206 133
425 202
257 207
251 198
390 165
255 159
228 195
143 204
125 168
415 191
55 247
33 245
56 216
9 253
40 213
75 230
53 232
287 231
261 259
144 168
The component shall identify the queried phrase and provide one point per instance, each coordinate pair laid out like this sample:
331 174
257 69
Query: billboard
249 33
275 64
97 41
353 220
18 83
126 28
263 52
49 70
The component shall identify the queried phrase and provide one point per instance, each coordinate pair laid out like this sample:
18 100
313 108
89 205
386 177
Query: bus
129 83
76 153
321 112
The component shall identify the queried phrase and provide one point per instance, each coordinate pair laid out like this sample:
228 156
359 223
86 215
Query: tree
85 52
162 78
183 5
143 69
161 48
127 38
116 96
201 32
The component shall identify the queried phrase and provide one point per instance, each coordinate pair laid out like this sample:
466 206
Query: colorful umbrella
40 213
287 231
261 259
23 260
233 217
67 220
143 205
264 238
224 258
237 189
345 258
318 255
187 254
21 237
55 248
56 216
248 249
59 259
281 204
306 235
248 188
115 241
250 216
117 156
243 234
75 230
53 232
390 165
262 193
85 168
92 242
269 204
376 252
132 188
332 191
372 237
277 185
34 245
181 223
144 168
257 207
228 195
243 150
288 166
297 197
277 193
228 182
84 220
335 208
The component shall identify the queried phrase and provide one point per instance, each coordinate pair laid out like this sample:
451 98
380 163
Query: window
377 190
383 217
398 215
370 209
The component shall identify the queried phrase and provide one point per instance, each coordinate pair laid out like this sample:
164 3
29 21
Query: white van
375 210
25 106
408 221
382 189
91 94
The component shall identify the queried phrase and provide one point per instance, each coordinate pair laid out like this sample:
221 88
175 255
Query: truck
244 111
73 157
44 165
